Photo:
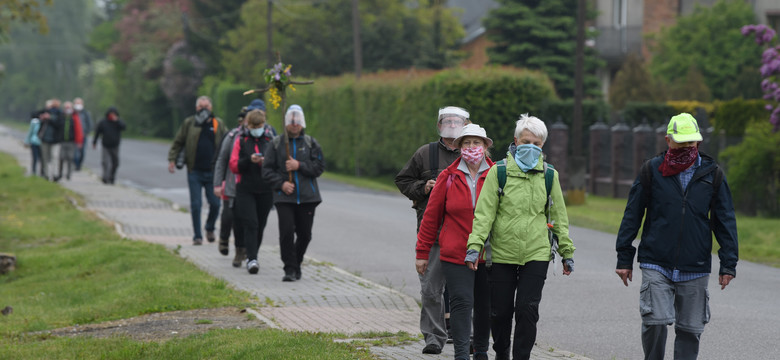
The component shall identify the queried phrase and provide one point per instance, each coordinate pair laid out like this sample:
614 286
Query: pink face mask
473 155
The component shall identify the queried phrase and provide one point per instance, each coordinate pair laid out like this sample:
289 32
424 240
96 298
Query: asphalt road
590 313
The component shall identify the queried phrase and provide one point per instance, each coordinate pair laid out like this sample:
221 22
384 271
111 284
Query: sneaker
209 234
288 277
298 274
252 267
240 257
431 349
197 241
224 246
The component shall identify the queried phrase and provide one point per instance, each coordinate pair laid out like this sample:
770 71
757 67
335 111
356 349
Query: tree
207 23
23 11
720 55
770 69
690 87
541 35
632 83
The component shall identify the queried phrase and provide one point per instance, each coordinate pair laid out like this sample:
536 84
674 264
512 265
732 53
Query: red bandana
677 160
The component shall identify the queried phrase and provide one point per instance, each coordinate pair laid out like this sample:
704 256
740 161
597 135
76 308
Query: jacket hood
112 110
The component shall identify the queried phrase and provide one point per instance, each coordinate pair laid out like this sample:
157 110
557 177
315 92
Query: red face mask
677 160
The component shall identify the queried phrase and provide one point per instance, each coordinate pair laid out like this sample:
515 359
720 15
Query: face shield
451 121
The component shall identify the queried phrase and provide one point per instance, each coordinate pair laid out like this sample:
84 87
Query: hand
421 265
472 266
171 167
257 159
291 164
568 266
288 187
429 186
724 280
624 274
218 191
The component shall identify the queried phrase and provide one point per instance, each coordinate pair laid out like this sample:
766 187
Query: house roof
470 14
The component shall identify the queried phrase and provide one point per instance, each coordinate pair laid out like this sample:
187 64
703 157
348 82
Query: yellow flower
292 87
274 98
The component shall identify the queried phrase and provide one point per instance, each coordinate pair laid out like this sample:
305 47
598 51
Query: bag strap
433 159
501 175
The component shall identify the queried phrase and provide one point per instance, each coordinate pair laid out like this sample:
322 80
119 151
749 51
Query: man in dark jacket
72 140
200 137
110 128
687 199
293 177
416 180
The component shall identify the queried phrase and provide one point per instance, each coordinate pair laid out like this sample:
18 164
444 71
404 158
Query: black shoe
480 356
224 246
104 180
432 349
56 178
209 235
288 277
252 267
298 274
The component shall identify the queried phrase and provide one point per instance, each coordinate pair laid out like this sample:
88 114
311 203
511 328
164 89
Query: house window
773 20
619 13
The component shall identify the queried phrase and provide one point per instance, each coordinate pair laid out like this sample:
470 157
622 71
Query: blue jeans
199 181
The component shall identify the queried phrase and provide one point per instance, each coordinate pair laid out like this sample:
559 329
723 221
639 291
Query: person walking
518 216
86 127
72 139
48 135
293 178
199 138
451 210
254 198
225 188
110 128
33 141
684 198
415 181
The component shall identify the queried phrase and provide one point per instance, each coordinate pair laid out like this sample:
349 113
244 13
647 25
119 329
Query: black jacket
679 224
251 174
312 165
111 131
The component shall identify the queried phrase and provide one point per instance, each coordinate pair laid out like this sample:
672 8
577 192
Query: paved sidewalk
326 299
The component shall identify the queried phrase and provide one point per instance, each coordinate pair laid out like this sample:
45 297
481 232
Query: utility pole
269 33
356 39
576 193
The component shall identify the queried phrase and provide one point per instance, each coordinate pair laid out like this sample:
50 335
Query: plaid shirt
673 274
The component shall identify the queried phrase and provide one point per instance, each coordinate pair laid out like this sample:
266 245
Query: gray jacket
221 164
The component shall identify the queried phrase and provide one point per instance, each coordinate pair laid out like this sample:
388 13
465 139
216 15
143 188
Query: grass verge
72 268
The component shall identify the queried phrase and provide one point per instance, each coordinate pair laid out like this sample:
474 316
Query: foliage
26 11
755 158
633 83
636 113
692 107
542 35
721 55
354 120
770 69
734 116
207 23
690 87
393 36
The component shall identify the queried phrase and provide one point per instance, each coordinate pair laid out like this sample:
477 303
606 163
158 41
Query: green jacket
187 138
517 220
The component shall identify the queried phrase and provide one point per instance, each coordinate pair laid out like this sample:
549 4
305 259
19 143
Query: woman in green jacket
521 248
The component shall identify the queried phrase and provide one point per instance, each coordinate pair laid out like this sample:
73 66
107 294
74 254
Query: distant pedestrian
34 141
254 196
86 127
72 139
448 218
684 198
416 180
199 137
50 134
110 128
517 219
293 177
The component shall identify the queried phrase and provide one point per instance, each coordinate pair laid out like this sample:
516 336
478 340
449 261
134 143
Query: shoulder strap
307 140
433 159
501 174
276 140
214 125
549 175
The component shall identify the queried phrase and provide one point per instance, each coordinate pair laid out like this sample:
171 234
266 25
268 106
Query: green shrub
656 114
734 116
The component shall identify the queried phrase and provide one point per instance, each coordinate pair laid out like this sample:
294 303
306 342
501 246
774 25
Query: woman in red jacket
449 215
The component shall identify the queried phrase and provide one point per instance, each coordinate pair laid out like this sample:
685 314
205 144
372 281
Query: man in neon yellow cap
687 200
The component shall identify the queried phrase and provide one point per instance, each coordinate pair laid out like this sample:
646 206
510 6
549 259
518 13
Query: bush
734 116
655 113
755 158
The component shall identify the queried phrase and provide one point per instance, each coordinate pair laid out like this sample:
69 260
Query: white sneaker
252 267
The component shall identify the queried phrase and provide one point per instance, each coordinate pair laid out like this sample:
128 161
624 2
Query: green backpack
549 174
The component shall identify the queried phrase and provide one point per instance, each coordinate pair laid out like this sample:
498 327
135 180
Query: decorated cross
278 79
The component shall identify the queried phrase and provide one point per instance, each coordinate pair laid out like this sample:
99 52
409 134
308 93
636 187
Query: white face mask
78 107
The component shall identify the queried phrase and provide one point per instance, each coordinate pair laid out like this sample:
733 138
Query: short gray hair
533 124
203 97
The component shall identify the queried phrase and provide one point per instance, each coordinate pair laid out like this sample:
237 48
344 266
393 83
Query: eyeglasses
450 122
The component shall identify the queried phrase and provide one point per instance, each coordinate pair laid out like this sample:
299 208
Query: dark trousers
109 160
78 157
36 158
468 293
528 280
252 209
226 219
295 222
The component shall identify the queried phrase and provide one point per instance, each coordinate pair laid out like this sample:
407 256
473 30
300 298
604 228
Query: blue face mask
527 156
257 132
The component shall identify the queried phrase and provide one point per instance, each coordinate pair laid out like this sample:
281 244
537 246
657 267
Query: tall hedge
735 115
371 127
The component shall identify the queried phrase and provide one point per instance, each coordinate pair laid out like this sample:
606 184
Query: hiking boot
298 274
288 277
252 267
224 246
240 256
431 349
209 234
197 241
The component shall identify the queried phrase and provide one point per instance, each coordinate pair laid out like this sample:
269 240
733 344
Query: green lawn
72 268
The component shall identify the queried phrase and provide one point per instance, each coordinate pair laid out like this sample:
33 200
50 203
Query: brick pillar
660 138
621 156
599 154
644 145
557 150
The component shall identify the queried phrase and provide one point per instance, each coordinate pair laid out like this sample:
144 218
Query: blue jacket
679 224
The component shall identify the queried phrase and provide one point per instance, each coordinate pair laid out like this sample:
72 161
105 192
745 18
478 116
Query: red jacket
450 210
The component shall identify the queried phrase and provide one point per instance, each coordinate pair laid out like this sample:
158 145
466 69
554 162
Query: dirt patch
165 326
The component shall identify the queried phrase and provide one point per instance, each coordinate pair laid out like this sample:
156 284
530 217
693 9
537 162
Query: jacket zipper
682 220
